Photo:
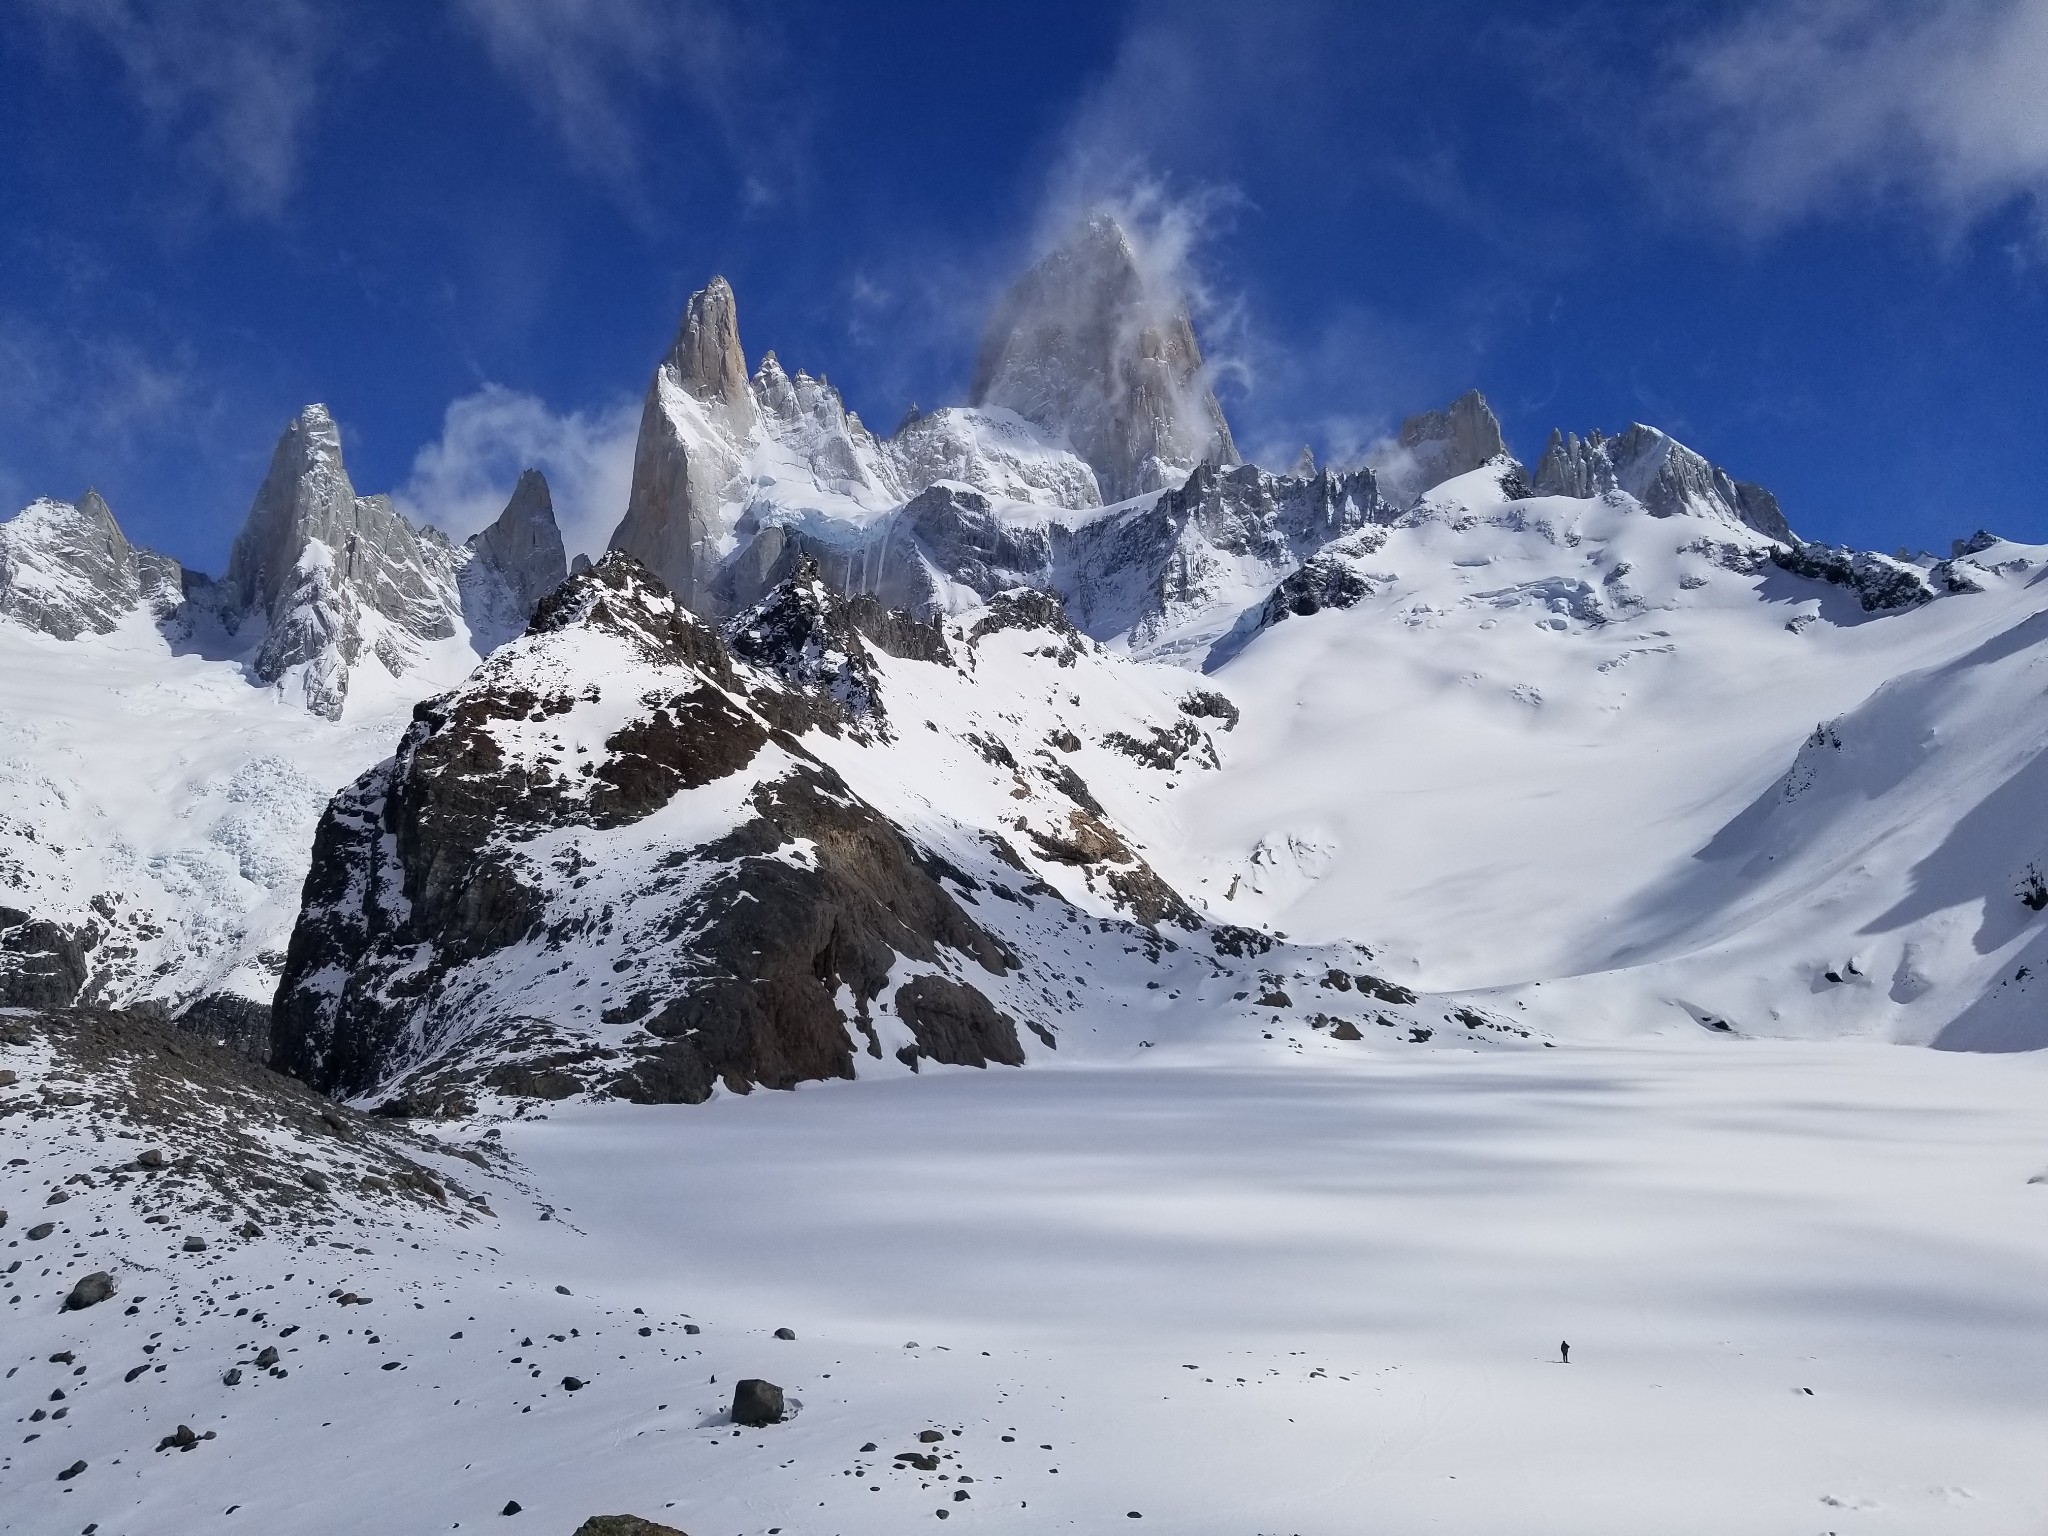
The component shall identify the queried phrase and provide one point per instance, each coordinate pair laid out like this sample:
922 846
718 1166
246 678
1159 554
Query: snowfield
1229 1286
1263 964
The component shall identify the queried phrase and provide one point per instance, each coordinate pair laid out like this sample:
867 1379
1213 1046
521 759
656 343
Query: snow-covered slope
631 858
167 743
1586 755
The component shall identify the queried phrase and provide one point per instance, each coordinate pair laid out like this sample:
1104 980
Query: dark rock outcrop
757 1403
1881 583
485 914
43 964
236 1023
624 1525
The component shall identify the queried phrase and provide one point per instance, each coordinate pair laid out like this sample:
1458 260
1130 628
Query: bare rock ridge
1667 477
1085 346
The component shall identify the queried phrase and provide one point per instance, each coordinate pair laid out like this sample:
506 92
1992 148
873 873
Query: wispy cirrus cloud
594 70
1818 106
231 85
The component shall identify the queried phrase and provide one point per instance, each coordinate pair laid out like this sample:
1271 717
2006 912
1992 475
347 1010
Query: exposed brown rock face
453 885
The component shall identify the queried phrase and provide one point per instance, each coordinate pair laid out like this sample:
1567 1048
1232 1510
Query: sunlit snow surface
1232 1286
180 793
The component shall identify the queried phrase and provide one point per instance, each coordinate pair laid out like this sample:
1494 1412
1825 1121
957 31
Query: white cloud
590 67
461 481
1816 105
231 83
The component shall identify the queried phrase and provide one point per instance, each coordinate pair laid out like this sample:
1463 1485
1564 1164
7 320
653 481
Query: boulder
756 1402
90 1292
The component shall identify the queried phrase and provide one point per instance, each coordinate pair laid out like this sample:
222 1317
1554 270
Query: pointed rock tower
524 546
1085 347
331 572
698 409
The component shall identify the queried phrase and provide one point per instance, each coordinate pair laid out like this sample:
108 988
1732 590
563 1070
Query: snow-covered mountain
1628 637
167 742
1263 955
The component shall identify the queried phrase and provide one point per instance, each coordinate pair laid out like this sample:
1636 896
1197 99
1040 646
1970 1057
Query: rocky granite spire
1085 347
1440 445
332 572
698 406
524 546
69 570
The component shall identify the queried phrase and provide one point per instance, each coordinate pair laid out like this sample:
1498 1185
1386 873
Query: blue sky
1809 238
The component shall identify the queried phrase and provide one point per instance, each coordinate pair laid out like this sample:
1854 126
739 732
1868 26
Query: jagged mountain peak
1089 347
1668 478
515 562
68 570
706 358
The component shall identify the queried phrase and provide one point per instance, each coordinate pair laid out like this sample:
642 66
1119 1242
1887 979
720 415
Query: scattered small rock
691 1328
572 1384
195 1244
756 1402
152 1157
561 1290
931 1436
183 1440
70 1472
39 1231
511 1507
233 1378
785 1333
268 1358
57 1197
624 1525
315 1180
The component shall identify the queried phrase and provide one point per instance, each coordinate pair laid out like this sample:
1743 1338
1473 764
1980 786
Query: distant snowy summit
938 696
1094 462
320 579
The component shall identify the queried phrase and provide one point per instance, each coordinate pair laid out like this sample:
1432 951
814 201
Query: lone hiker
1564 1353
